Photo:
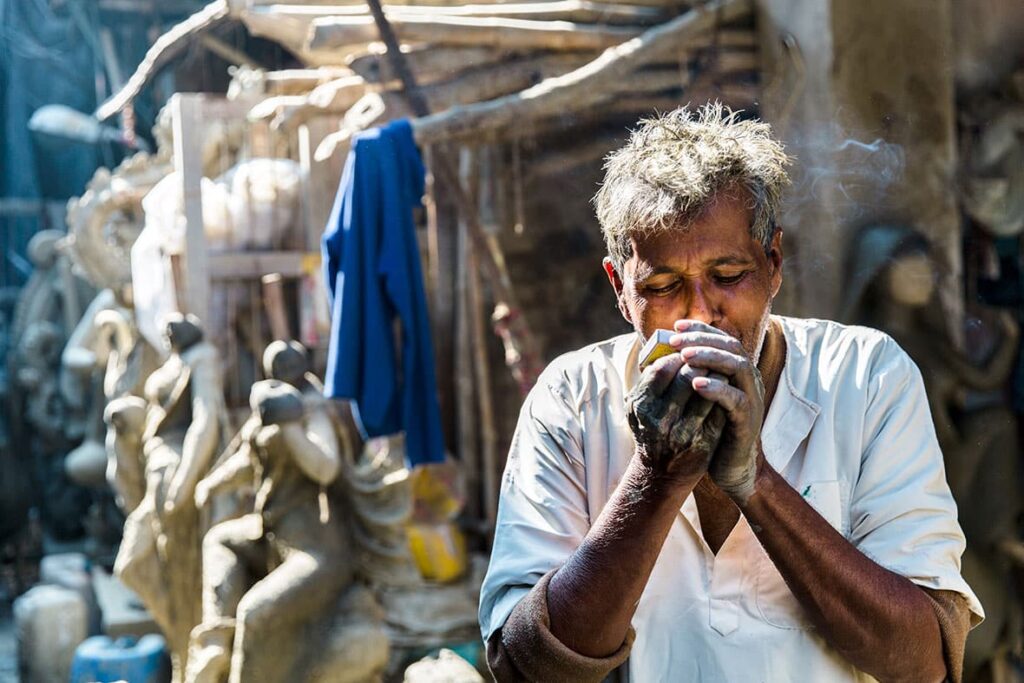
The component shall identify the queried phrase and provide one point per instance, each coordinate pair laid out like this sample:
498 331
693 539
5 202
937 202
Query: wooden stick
582 87
273 302
465 403
163 50
482 372
342 36
300 81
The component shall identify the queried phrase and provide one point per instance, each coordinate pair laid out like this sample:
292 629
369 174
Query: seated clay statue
162 459
278 599
892 287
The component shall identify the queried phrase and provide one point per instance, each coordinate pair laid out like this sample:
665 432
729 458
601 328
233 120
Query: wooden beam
344 37
583 11
584 86
249 265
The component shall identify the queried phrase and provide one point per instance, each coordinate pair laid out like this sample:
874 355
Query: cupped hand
674 429
738 390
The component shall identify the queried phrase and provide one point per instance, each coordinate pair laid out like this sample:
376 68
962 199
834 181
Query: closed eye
662 290
730 279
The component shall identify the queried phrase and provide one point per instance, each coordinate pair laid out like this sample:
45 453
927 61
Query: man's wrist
644 481
764 479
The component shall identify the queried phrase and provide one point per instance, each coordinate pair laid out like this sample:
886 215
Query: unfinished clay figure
105 342
184 424
892 287
45 423
278 599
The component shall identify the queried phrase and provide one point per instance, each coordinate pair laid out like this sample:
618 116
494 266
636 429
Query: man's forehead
674 249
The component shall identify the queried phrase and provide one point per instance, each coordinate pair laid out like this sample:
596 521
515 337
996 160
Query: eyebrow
728 261
713 263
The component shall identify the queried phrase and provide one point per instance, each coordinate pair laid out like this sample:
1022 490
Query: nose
701 305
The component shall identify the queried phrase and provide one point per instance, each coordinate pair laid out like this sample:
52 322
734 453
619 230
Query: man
767 504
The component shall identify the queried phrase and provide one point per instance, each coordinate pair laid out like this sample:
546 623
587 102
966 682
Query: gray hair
675 165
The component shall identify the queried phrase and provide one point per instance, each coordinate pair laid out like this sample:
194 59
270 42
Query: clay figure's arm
125 418
234 472
202 435
314 446
86 350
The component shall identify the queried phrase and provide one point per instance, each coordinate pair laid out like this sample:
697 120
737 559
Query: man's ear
775 261
616 282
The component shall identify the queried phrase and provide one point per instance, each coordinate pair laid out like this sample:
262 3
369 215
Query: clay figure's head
181 331
285 361
889 263
275 402
44 247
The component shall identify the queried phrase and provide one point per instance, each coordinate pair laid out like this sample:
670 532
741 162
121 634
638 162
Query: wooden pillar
187 117
862 93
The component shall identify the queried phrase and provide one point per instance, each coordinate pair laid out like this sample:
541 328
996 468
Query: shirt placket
723 573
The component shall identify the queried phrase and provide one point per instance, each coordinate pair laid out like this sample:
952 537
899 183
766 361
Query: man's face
712 271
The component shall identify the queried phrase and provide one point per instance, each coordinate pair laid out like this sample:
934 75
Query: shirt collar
791 415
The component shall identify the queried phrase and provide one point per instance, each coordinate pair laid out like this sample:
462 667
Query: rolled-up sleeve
902 514
542 513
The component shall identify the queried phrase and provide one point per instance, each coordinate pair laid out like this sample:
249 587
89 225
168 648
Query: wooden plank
255 264
187 114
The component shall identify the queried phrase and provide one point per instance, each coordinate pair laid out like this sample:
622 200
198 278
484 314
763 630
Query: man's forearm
880 621
592 598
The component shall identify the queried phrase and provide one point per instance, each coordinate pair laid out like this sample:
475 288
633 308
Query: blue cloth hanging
372 265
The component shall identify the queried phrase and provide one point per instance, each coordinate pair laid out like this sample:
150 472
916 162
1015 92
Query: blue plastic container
102 660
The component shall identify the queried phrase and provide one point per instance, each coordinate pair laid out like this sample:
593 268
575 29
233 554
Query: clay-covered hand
739 391
675 430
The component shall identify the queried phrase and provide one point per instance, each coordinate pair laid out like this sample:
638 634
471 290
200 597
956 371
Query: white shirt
849 428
